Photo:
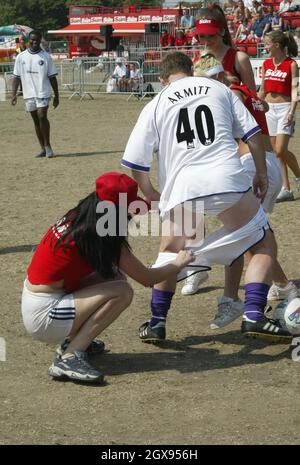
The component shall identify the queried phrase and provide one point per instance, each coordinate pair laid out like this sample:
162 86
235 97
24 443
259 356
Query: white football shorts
47 317
221 246
277 118
32 104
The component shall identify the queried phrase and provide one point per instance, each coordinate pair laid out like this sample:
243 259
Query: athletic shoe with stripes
75 367
96 347
267 329
157 333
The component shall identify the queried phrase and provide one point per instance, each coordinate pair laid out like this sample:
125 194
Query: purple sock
255 300
160 304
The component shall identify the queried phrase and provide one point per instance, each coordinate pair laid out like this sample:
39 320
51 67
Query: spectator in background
297 38
248 4
180 38
284 6
228 8
231 28
260 25
276 23
256 8
269 14
242 31
119 74
187 21
134 78
239 11
166 39
252 37
20 45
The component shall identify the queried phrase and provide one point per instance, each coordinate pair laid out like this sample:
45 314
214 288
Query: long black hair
79 224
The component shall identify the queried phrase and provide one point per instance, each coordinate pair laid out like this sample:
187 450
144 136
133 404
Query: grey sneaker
228 311
193 282
290 291
49 152
298 184
96 347
76 367
284 195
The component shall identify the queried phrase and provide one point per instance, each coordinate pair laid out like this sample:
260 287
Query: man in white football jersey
192 125
35 69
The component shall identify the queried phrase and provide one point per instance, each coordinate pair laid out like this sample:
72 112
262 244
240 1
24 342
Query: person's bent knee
125 293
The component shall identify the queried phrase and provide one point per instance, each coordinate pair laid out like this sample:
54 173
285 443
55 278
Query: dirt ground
199 386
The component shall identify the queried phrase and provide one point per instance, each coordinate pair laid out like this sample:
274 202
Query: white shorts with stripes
48 317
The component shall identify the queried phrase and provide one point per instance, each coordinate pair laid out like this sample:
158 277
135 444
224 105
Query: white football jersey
34 69
192 124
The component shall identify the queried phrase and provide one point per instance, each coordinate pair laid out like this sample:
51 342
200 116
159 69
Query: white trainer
290 291
285 195
193 282
228 311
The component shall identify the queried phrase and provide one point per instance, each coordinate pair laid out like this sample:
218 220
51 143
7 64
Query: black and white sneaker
157 333
267 329
96 347
76 367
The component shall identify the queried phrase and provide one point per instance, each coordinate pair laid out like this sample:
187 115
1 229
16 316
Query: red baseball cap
110 185
208 26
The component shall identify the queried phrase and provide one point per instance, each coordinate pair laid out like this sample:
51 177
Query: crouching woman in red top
75 286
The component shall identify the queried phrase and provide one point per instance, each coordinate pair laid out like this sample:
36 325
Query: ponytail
285 40
291 45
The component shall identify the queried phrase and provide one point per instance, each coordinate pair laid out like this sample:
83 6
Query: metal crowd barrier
70 77
85 77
